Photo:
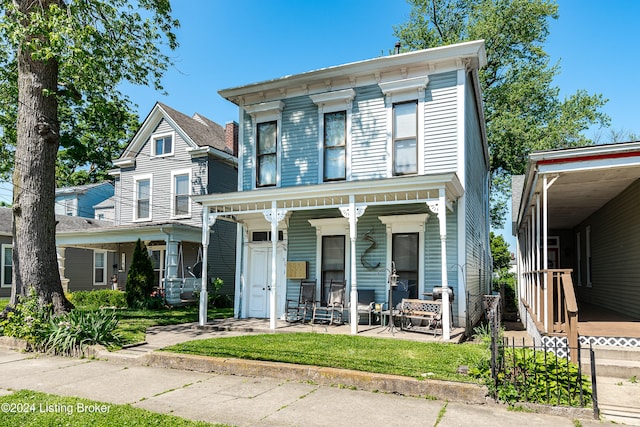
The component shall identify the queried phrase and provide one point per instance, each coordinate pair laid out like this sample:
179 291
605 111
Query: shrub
140 278
93 300
27 321
535 376
71 333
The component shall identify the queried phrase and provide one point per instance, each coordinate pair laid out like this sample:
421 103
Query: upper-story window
162 145
266 123
334 123
335 144
142 202
405 135
404 102
181 193
267 159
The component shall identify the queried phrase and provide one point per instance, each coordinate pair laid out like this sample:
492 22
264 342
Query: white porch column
207 222
273 216
440 209
536 253
545 255
61 267
353 214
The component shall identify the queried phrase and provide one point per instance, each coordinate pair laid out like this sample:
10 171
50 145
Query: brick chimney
231 137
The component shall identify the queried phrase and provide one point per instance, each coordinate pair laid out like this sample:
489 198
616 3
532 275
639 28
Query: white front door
259 267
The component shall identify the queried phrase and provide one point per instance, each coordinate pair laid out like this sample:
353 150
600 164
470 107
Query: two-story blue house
171 159
352 169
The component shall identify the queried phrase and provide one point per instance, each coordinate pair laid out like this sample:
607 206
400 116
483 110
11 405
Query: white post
202 312
442 217
274 278
353 319
545 255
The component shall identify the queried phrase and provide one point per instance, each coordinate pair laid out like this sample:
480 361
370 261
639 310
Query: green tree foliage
140 277
523 109
68 58
499 252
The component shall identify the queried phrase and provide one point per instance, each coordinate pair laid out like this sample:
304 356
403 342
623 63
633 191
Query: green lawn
381 355
134 323
31 408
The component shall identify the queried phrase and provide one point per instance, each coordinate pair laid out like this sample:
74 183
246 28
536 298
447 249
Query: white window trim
156 136
260 113
163 259
330 102
407 224
104 276
2 265
173 192
136 179
331 227
411 89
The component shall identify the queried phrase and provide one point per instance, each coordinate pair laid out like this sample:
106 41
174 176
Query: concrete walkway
261 394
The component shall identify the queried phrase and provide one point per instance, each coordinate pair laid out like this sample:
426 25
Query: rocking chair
332 311
297 309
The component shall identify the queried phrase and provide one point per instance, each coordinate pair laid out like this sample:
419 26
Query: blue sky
224 44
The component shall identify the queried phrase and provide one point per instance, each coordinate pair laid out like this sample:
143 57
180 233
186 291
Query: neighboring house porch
576 216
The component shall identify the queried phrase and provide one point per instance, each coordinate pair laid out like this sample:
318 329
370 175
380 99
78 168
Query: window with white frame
99 268
162 145
405 134
7 266
142 198
405 120
266 118
267 153
157 253
181 193
334 122
335 145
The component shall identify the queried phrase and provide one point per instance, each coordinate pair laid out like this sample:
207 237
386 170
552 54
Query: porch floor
596 321
262 326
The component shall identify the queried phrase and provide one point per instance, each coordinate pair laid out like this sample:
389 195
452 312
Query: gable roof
80 189
197 131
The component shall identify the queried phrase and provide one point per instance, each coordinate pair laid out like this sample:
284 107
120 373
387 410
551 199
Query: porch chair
332 311
366 303
297 310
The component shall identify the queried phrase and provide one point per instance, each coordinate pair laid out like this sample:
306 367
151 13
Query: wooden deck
595 321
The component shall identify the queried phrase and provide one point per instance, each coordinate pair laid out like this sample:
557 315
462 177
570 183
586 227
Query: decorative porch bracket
353 212
273 217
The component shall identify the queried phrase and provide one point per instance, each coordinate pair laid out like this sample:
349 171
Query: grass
380 355
134 323
30 408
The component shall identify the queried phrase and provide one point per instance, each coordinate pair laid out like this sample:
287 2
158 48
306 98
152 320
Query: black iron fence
542 374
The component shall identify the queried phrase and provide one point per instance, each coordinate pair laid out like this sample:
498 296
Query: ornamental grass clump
71 333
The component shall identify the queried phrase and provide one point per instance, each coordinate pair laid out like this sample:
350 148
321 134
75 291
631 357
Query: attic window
163 145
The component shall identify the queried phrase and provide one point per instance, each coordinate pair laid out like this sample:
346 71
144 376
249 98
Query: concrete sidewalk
259 394
245 401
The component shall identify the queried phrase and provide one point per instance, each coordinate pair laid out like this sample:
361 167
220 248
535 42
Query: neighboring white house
351 169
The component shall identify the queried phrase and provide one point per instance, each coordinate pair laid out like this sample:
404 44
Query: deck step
616 362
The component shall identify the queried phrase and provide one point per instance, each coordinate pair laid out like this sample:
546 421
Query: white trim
407 224
331 227
588 255
331 102
174 174
404 90
390 101
4 247
262 113
461 126
157 136
136 179
104 268
265 111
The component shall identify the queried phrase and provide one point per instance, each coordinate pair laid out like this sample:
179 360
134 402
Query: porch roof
582 180
397 190
104 237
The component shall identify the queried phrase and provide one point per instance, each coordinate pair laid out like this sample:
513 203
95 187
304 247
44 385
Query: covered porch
577 223
330 209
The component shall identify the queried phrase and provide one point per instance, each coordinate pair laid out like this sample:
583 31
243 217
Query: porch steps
616 362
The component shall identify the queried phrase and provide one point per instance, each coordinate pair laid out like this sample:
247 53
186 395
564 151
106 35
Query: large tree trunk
34 243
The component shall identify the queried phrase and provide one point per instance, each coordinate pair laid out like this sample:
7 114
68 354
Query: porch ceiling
583 184
398 190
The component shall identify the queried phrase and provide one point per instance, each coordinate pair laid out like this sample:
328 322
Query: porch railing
551 301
